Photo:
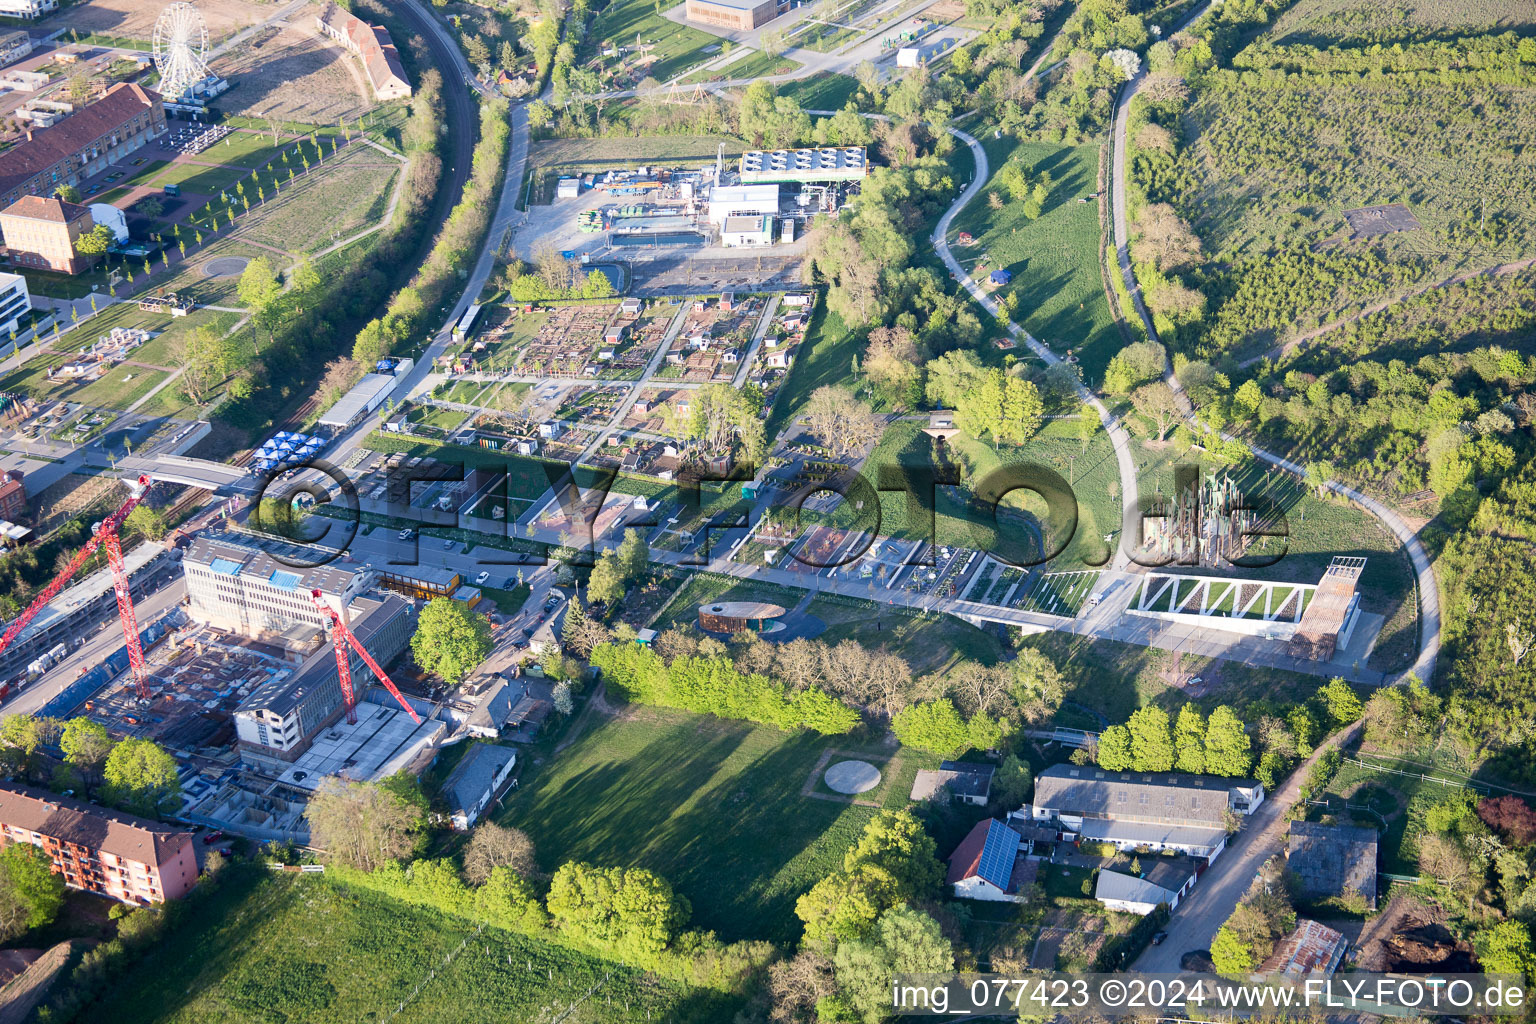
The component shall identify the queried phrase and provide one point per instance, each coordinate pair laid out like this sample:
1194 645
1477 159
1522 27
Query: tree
1228 750
935 727
1343 704
1230 954
146 522
605 585
1151 742
1189 740
1505 948
1157 402
493 846
96 241
1008 408
629 910
1088 423
895 861
1133 366
840 421
85 743
305 277
1011 784
1114 749
634 555
259 289
67 193
141 777
206 358
31 895
364 825
450 640
1510 816
906 941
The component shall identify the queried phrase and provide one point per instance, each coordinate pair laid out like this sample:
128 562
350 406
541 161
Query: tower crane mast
103 534
340 632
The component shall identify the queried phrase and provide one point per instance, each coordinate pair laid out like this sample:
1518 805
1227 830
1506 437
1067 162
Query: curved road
1423 667
1117 434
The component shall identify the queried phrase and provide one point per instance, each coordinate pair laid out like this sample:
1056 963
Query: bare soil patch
294 75
136 18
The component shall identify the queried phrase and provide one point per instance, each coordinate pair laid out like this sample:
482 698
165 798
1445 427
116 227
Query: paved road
1423 667
1211 902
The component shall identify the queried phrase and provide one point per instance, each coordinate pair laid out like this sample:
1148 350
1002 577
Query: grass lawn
675 47
446 420
754 65
712 805
120 388
1114 679
273 948
1091 474
826 91
1055 258
929 643
340 197
824 357
507 602
705 588
571 155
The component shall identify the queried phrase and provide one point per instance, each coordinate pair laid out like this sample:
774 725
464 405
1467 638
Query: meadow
1054 258
713 805
273 949
676 48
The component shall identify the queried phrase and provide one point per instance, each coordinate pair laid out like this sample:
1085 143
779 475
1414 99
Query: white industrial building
727 201
747 230
366 395
15 302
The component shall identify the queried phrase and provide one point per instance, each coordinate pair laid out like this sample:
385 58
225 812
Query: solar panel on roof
226 566
998 853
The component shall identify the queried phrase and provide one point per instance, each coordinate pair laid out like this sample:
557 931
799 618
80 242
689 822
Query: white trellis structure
1267 601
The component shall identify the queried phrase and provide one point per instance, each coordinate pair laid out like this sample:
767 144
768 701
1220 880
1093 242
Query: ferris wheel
181 47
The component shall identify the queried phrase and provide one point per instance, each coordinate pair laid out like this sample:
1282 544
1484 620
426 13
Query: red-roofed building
83 144
98 850
987 866
41 233
373 46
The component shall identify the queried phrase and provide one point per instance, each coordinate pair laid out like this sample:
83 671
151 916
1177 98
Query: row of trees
713 685
134 774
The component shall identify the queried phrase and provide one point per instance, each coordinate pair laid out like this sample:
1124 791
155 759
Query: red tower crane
105 535
340 632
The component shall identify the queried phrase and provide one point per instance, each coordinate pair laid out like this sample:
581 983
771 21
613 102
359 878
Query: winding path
1428 593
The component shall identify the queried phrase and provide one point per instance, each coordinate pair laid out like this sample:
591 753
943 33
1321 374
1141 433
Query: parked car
407 534
447 544
480 580
213 837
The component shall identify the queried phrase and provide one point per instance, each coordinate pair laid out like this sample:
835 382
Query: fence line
1462 783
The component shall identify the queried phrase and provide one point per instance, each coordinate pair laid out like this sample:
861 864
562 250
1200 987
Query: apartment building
15 303
281 718
99 850
82 145
29 9
41 234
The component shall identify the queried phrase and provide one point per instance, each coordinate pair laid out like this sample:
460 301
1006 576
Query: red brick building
99 850
13 496
373 46
41 234
83 144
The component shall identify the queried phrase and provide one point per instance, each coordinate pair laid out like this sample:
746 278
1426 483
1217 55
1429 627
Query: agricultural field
1054 258
1352 23
271 949
715 806
1266 174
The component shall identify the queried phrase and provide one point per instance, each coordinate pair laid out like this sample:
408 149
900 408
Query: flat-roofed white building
747 230
742 200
